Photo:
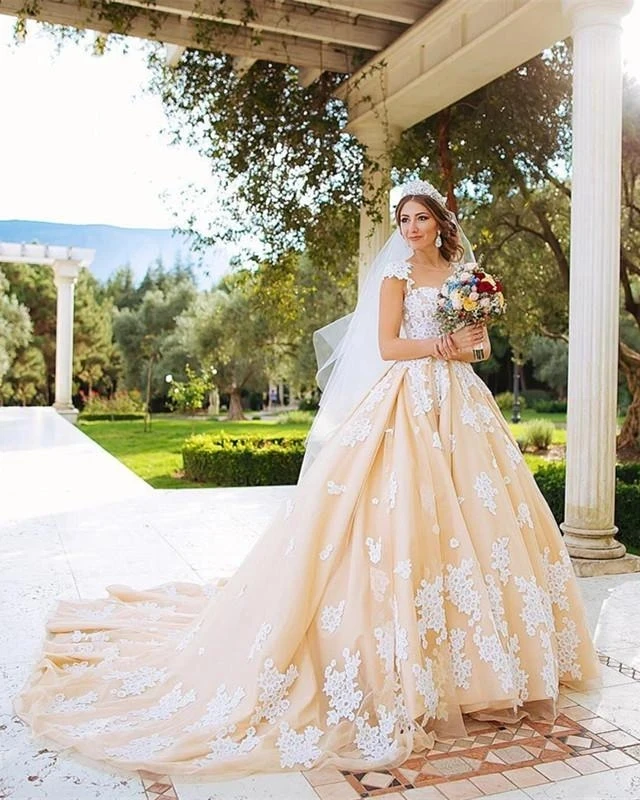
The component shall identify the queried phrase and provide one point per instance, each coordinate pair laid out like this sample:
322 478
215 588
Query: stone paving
73 520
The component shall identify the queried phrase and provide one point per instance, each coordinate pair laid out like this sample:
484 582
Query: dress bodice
419 306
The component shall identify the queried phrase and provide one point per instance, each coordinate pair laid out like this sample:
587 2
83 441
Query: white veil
347 351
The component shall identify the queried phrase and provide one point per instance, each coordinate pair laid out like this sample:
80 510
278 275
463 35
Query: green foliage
539 434
120 404
551 361
504 401
15 327
551 481
250 461
188 396
296 418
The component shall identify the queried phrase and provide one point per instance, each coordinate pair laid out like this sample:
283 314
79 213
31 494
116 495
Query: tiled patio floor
73 520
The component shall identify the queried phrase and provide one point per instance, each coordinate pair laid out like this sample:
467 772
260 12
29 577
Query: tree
15 327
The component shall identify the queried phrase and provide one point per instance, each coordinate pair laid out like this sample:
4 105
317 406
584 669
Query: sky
82 143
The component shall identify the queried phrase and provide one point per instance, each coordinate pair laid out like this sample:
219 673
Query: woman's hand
445 347
469 337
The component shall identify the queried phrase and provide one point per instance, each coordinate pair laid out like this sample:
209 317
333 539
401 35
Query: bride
416 577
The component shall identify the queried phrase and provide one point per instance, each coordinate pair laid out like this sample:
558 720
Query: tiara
423 188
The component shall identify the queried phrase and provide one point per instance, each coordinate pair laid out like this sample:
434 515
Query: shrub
551 481
309 404
504 401
221 460
121 405
532 396
296 418
539 433
550 406
111 417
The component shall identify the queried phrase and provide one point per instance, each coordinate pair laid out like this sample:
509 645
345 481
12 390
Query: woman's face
417 225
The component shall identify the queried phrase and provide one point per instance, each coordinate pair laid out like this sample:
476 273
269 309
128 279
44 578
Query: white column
594 286
375 219
66 274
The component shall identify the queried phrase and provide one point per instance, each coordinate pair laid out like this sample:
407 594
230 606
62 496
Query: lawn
156 455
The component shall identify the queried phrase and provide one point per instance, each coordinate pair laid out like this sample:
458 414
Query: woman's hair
451 248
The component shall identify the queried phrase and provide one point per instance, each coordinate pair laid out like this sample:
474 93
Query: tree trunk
235 405
446 162
628 444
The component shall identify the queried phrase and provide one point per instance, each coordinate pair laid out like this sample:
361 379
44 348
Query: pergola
66 263
407 59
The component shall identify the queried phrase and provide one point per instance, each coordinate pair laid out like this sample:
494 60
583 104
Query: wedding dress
416 576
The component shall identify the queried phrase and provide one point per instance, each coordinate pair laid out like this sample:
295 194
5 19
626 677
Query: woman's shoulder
397 269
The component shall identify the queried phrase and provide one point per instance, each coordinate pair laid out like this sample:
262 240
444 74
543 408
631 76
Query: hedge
111 417
551 480
222 460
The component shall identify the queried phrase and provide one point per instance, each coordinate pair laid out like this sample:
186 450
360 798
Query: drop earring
438 240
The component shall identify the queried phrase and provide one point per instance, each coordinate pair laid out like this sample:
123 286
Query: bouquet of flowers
469 296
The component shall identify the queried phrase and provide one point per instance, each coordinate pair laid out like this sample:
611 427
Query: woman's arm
467 355
392 347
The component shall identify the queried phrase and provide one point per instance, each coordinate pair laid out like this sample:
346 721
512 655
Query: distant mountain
115 247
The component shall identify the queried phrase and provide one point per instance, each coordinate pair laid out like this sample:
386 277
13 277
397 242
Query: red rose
479 273
485 286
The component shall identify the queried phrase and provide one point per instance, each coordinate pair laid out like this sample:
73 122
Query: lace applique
520 677
137 681
459 587
379 582
95 614
418 313
341 688
524 516
375 549
275 685
298 748
219 711
397 269
437 441
259 641
420 392
558 574
501 559
513 451
429 601
99 636
78 667
168 705
403 569
331 617
461 666
550 668
223 748
188 637
478 416
291 546
536 609
326 552
336 488
568 642
392 640
154 611
492 652
375 742
425 686
454 543
392 492
486 491
494 593
358 428
142 749
452 442
442 381
67 705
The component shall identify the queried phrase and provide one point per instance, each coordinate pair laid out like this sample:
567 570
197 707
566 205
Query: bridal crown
423 188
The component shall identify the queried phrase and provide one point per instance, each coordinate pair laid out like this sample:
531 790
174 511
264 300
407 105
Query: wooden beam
242 65
171 29
172 54
307 76
404 11
312 22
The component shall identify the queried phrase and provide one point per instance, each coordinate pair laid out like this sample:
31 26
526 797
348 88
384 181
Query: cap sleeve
397 269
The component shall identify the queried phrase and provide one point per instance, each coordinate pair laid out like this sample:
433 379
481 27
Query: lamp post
515 413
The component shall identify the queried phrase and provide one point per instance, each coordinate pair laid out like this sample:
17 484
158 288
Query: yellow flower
468 304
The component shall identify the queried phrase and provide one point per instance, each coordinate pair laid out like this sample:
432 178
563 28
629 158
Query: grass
156 456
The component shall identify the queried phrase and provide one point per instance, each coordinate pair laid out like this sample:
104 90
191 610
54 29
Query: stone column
375 219
593 303
66 275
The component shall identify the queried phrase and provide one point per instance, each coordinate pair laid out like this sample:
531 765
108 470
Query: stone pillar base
591 567
69 412
592 544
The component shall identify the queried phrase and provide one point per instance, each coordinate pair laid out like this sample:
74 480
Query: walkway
73 520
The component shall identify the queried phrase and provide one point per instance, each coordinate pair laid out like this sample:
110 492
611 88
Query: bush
309 404
110 417
221 460
296 418
533 396
539 433
550 406
118 404
551 481
504 401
